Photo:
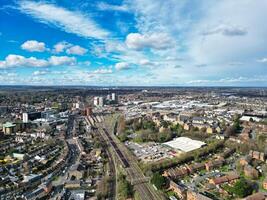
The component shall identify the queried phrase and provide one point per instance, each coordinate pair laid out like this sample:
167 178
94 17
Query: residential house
264 184
175 173
231 177
195 167
72 184
211 130
191 195
187 126
256 196
179 189
198 120
245 160
171 117
214 164
182 119
251 172
257 155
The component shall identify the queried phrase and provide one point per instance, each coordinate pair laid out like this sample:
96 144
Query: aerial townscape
133 143
133 100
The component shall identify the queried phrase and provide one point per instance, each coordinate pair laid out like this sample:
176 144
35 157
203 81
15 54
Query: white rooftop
185 144
247 118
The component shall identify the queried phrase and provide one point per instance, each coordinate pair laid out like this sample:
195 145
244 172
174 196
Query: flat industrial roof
185 144
9 125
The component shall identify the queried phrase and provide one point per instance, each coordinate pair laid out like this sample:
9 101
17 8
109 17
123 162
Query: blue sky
134 42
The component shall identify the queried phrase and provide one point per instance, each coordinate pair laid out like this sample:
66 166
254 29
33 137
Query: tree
121 125
195 129
236 124
137 125
177 130
223 124
125 188
165 124
230 130
148 124
203 130
123 137
164 136
158 180
242 188
261 142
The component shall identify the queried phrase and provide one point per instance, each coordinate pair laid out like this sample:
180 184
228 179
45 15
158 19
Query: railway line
134 173
118 151
129 163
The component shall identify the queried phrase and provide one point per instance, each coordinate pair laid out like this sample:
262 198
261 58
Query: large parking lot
151 151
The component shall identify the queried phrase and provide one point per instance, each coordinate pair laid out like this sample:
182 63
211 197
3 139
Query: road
129 162
72 159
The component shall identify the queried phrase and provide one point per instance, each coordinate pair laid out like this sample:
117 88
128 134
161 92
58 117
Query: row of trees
148 135
125 189
146 130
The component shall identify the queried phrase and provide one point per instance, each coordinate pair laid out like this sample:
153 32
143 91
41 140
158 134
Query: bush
158 180
125 188
242 188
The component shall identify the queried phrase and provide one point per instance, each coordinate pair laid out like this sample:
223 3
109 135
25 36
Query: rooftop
185 144
9 125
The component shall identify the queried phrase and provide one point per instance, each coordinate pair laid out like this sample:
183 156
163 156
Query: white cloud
147 62
8 77
40 72
122 66
214 34
236 63
86 63
159 16
13 60
33 45
76 50
105 6
238 18
61 46
227 30
157 41
69 48
102 71
231 80
69 21
262 60
61 60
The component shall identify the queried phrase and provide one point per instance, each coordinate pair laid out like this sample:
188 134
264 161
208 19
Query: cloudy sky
134 42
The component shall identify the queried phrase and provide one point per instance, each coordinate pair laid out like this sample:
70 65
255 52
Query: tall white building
98 101
25 118
101 101
114 97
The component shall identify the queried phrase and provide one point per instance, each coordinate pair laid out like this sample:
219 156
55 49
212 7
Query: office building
26 117
114 97
9 128
98 101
